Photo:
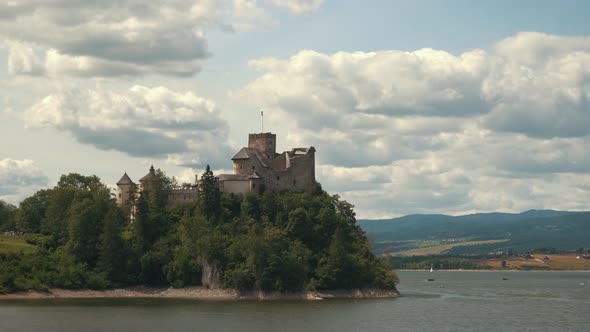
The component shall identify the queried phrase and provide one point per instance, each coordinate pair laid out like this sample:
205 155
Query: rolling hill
525 231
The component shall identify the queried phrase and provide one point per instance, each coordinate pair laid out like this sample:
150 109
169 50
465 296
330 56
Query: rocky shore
197 293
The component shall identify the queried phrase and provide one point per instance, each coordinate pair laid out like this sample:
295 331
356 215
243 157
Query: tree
141 227
185 268
78 181
111 250
31 211
55 222
210 197
7 216
84 226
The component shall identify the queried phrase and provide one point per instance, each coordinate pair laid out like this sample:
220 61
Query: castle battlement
255 167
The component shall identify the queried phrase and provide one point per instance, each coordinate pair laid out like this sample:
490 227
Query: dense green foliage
272 241
7 216
437 262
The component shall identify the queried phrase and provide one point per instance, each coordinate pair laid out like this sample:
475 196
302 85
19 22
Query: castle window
240 166
277 178
119 195
294 182
253 167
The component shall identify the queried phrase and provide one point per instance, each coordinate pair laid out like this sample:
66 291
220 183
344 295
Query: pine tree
210 197
112 247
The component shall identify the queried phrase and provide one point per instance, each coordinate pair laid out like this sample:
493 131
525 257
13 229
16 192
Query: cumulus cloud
298 7
19 178
374 107
248 14
429 131
22 60
127 37
128 32
142 122
58 64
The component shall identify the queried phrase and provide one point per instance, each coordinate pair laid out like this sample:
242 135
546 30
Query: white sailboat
431 270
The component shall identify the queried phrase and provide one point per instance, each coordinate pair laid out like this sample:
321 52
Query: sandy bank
197 293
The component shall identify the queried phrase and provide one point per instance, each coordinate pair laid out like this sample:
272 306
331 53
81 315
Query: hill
260 242
563 230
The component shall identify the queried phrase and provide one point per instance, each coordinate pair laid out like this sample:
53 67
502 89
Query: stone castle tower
255 167
265 143
260 166
125 189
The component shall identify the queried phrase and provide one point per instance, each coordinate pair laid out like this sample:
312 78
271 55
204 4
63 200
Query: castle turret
124 188
265 143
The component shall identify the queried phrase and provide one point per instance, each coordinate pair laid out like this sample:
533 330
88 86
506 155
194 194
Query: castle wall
300 176
281 162
303 171
182 196
248 166
236 186
123 194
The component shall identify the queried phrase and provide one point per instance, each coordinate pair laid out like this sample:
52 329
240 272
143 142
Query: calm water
455 301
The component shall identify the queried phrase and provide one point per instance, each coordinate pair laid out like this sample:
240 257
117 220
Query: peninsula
267 231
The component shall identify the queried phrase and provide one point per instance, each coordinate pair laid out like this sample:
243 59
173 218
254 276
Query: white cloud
57 65
543 93
427 131
531 48
19 178
248 14
298 7
127 32
127 37
540 86
22 60
142 122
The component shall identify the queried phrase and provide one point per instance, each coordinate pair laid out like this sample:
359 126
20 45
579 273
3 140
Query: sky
413 107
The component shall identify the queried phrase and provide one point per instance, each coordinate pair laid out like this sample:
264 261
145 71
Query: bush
36 239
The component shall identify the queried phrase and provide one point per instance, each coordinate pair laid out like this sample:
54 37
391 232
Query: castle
255 167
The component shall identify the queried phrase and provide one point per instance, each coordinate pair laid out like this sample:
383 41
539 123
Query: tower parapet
265 143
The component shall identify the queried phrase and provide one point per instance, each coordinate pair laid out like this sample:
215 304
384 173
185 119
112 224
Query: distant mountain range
563 230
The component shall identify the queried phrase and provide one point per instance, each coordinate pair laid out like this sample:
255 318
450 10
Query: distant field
555 262
441 249
10 244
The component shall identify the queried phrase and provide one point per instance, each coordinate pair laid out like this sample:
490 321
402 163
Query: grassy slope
9 244
444 248
555 262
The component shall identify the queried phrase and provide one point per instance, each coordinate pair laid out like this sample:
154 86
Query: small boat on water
504 278
431 270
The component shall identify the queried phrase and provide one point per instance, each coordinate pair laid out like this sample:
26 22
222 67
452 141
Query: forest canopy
287 241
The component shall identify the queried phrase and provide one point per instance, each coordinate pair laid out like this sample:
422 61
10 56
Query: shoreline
198 293
491 270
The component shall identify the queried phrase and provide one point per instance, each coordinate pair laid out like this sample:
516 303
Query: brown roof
152 172
125 180
249 153
242 154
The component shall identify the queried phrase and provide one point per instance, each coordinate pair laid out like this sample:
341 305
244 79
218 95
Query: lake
454 301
